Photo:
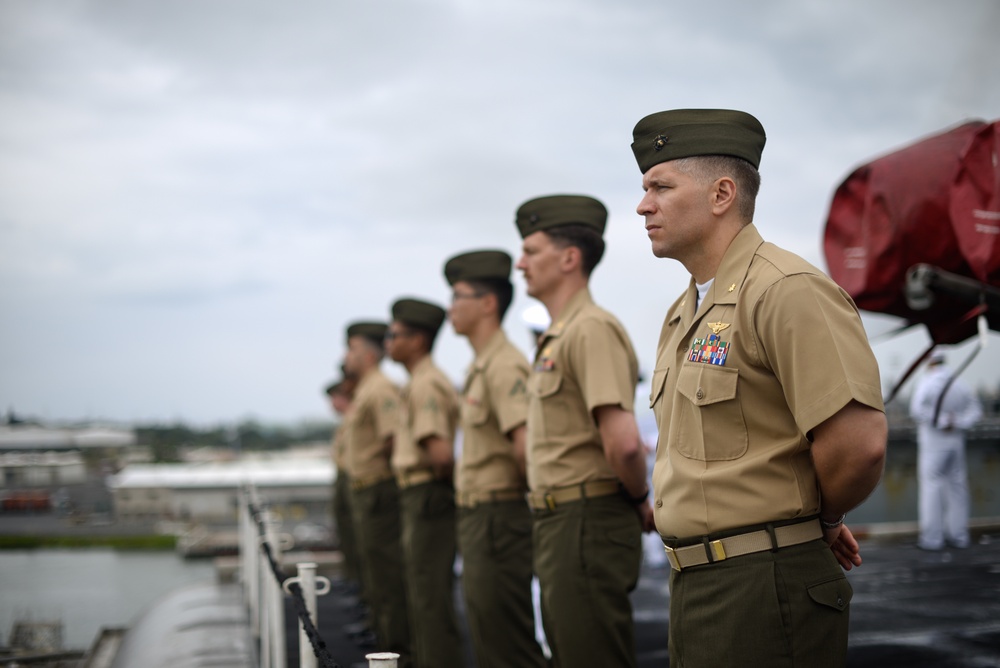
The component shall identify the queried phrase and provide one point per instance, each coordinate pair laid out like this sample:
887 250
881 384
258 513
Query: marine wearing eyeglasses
494 522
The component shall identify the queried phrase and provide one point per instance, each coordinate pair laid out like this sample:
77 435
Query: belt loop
583 493
708 549
774 539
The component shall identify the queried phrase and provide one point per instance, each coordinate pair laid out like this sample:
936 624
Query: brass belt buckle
675 563
550 502
718 550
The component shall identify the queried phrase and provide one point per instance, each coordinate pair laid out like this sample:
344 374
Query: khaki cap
544 213
682 133
418 313
484 265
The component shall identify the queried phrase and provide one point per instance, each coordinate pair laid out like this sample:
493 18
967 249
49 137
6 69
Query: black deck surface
911 608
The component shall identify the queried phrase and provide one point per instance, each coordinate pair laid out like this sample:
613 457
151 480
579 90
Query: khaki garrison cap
369 330
418 313
682 133
544 213
484 265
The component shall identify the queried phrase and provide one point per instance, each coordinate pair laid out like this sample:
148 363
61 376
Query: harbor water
88 589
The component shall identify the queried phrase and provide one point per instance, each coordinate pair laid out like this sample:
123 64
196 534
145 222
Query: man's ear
723 195
572 259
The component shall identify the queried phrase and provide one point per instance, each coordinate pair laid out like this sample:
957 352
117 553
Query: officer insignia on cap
660 142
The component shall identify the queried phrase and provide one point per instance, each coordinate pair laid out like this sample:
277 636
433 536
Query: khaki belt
362 483
473 499
410 478
548 500
709 552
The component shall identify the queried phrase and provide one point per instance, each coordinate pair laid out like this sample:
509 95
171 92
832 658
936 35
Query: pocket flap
835 594
705 384
656 385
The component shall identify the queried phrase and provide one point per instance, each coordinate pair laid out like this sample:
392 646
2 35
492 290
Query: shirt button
700 393
659 503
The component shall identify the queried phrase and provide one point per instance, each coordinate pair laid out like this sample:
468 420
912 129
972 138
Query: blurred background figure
944 408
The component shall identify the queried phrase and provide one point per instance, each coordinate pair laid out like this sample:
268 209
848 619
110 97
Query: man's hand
645 510
845 547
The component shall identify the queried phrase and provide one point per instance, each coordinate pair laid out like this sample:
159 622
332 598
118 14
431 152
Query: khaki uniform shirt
494 403
585 360
429 408
774 350
371 420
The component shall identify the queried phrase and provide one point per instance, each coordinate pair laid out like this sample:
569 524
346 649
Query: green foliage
167 441
147 542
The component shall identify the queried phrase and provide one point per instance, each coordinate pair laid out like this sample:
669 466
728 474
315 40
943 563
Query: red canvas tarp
893 213
975 204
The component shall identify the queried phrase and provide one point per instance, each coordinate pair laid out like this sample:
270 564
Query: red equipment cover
975 204
891 214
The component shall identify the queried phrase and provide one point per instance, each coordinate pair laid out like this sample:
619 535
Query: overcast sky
196 198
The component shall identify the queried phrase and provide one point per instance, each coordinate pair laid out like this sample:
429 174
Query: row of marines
770 419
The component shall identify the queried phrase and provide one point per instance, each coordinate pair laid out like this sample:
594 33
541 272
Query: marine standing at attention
341 395
494 523
769 409
586 462
423 461
374 495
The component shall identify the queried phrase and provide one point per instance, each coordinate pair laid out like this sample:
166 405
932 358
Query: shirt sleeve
386 412
430 405
604 364
507 383
811 335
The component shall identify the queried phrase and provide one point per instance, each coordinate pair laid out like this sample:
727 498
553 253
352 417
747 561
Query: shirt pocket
546 407
708 421
475 411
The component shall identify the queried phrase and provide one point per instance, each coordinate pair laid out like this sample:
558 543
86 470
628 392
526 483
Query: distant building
41 469
209 492
32 438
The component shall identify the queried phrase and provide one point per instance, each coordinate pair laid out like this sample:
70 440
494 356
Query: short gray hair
712 167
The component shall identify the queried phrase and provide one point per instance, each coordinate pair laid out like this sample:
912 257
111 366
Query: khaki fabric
372 419
733 448
494 402
585 360
429 408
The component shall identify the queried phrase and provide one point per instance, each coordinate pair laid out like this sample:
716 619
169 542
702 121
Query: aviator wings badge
718 326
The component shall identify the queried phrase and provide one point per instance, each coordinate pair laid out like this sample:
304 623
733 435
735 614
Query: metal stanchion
307 580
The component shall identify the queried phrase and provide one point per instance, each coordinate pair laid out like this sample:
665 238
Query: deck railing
265 588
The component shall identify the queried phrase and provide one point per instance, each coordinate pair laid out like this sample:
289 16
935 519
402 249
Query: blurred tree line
167 442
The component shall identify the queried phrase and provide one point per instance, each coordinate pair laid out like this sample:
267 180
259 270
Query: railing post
274 599
307 580
382 660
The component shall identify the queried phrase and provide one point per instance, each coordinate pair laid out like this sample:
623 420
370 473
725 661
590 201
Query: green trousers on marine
587 558
344 520
376 523
777 609
428 523
495 542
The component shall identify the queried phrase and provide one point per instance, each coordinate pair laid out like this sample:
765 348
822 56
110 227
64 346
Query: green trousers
495 542
377 526
345 527
428 518
777 609
587 557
